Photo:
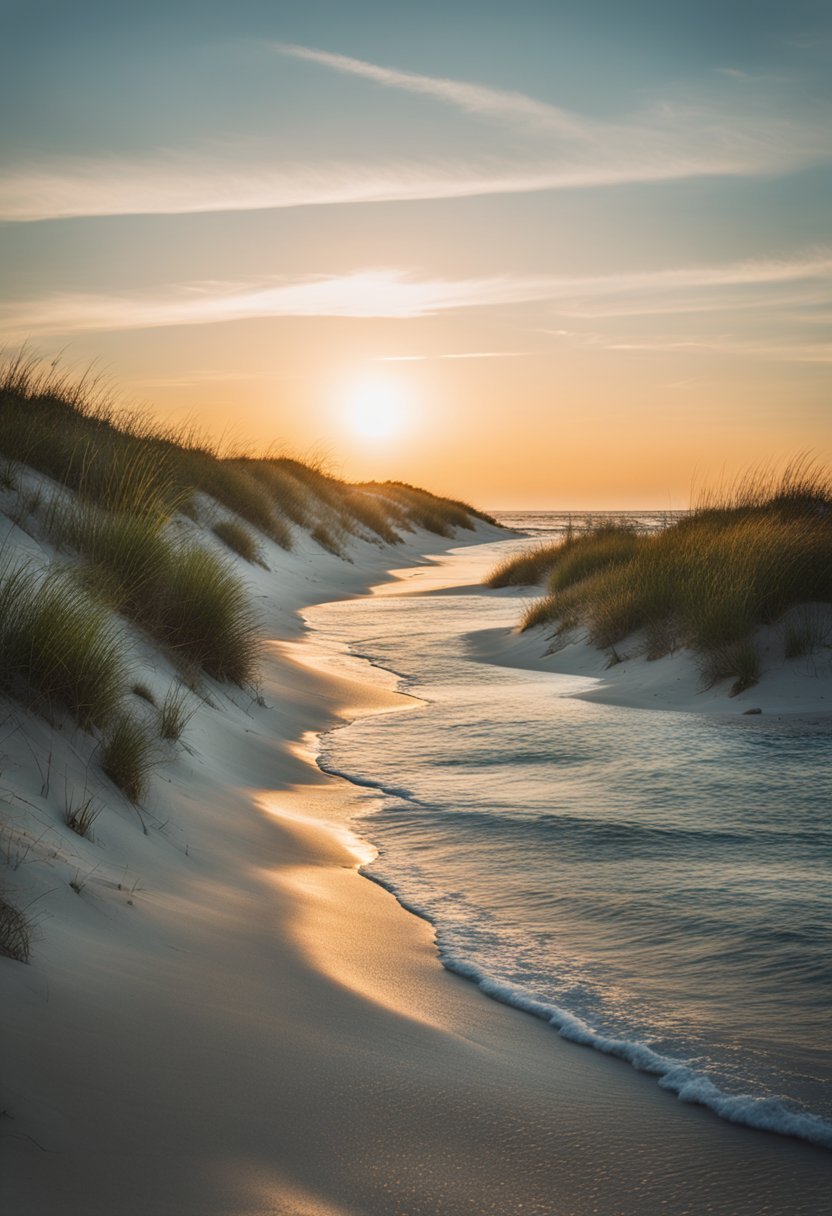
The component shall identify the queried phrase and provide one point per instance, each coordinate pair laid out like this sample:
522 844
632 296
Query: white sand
801 685
228 1019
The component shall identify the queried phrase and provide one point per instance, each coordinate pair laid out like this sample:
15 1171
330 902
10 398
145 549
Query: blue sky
607 222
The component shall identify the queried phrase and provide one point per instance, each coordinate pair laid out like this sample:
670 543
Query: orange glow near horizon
561 427
560 265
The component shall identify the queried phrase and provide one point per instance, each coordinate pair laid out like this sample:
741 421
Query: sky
551 253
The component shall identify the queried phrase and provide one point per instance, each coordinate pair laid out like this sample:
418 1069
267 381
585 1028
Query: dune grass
58 647
808 630
15 932
708 581
425 510
80 817
174 714
238 539
203 614
128 755
124 483
288 494
187 598
527 568
74 431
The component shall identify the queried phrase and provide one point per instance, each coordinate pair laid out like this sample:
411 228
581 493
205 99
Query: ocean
657 885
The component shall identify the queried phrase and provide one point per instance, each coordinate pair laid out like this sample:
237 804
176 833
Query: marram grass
58 647
15 932
708 581
74 431
128 755
238 539
188 599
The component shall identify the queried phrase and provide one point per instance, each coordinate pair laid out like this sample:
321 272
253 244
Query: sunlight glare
376 409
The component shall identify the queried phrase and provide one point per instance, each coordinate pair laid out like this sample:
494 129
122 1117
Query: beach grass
708 581
128 755
125 491
15 932
238 539
75 431
188 599
429 511
202 613
174 714
58 647
81 817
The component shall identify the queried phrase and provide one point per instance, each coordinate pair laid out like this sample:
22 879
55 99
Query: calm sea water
657 885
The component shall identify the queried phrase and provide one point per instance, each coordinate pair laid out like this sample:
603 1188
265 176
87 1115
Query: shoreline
766 1114
793 688
279 1036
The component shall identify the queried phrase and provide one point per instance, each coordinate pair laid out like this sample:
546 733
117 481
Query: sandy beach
256 1028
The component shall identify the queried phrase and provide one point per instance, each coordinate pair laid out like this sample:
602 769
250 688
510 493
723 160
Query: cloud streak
393 294
559 150
471 98
472 354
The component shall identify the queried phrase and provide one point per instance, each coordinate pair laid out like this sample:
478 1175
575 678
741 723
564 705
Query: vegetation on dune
15 932
708 581
117 504
74 431
80 817
121 483
429 511
203 613
238 539
58 648
174 714
574 557
128 755
184 596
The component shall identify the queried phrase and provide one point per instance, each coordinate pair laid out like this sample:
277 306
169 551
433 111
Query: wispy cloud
381 293
73 187
792 352
390 293
472 98
558 150
472 354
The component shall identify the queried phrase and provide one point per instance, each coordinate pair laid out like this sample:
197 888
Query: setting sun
376 409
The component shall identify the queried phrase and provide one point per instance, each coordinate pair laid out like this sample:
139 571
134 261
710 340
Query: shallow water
656 884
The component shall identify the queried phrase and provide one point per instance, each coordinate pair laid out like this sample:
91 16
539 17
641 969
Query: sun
376 409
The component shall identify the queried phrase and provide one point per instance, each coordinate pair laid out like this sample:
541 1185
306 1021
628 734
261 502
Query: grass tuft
808 630
15 932
128 756
81 818
326 538
237 538
202 613
185 597
174 714
739 661
58 647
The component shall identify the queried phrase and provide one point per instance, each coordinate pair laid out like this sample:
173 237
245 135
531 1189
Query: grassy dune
135 515
706 582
